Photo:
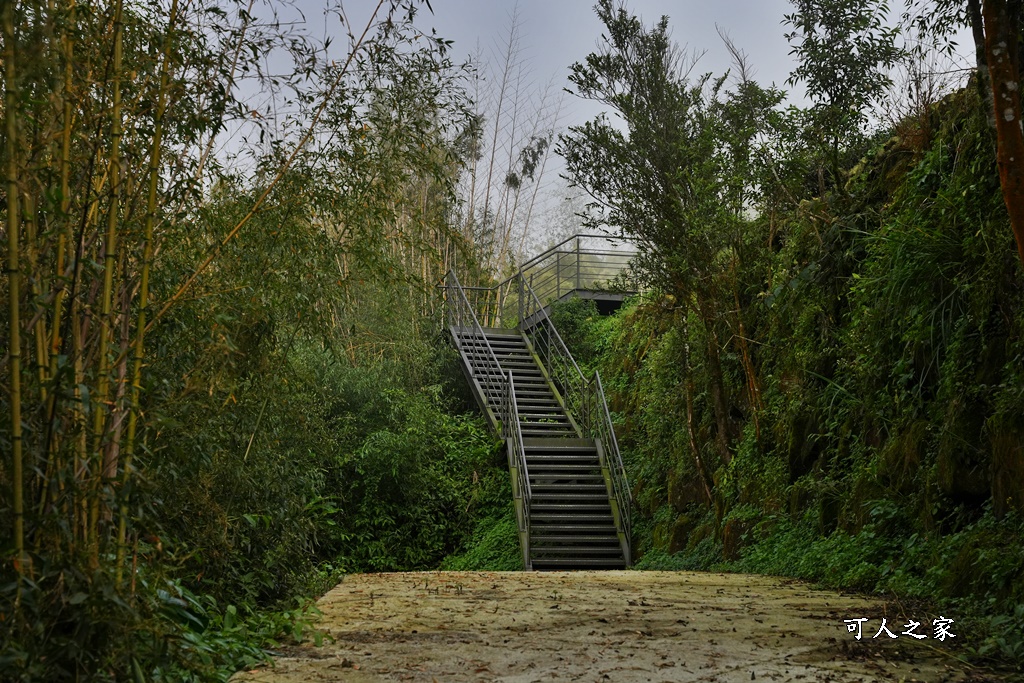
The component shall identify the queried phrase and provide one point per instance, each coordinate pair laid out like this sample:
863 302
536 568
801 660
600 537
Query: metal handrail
567 270
463 319
555 356
604 427
517 458
499 391
584 399
575 238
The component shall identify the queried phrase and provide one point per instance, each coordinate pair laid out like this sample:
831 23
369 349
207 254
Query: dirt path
605 626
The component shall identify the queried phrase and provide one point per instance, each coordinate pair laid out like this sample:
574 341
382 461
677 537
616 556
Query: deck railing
580 263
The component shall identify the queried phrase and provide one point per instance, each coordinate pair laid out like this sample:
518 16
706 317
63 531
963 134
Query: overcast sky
556 33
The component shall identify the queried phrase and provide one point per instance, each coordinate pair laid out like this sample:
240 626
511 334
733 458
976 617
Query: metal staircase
540 412
571 494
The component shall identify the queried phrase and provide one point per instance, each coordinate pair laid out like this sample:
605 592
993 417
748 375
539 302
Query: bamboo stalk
78 329
307 136
14 285
30 220
81 445
147 257
109 264
41 339
53 446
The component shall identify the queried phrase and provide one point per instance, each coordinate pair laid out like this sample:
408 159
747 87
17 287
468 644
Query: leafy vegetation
225 387
826 382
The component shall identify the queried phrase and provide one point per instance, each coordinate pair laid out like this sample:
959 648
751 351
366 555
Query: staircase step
576 550
576 445
553 506
542 472
502 354
481 354
586 539
569 529
568 454
582 504
555 464
563 470
573 562
500 333
562 488
504 342
567 433
548 426
519 356
495 339
471 343
586 514
506 362
576 519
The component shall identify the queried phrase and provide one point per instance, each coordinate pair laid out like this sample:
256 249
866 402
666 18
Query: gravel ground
596 626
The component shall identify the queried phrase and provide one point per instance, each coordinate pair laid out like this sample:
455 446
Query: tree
844 50
679 177
996 28
511 142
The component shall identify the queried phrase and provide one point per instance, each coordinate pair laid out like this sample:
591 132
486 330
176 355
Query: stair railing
500 393
554 354
517 458
584 398
603 429
462 318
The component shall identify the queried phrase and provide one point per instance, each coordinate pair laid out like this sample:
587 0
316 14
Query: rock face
601 626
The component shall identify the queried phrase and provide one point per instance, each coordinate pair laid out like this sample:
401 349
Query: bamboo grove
126 202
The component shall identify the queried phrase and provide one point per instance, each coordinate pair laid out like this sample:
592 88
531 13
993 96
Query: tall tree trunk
1002 24
980 59
1002 29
